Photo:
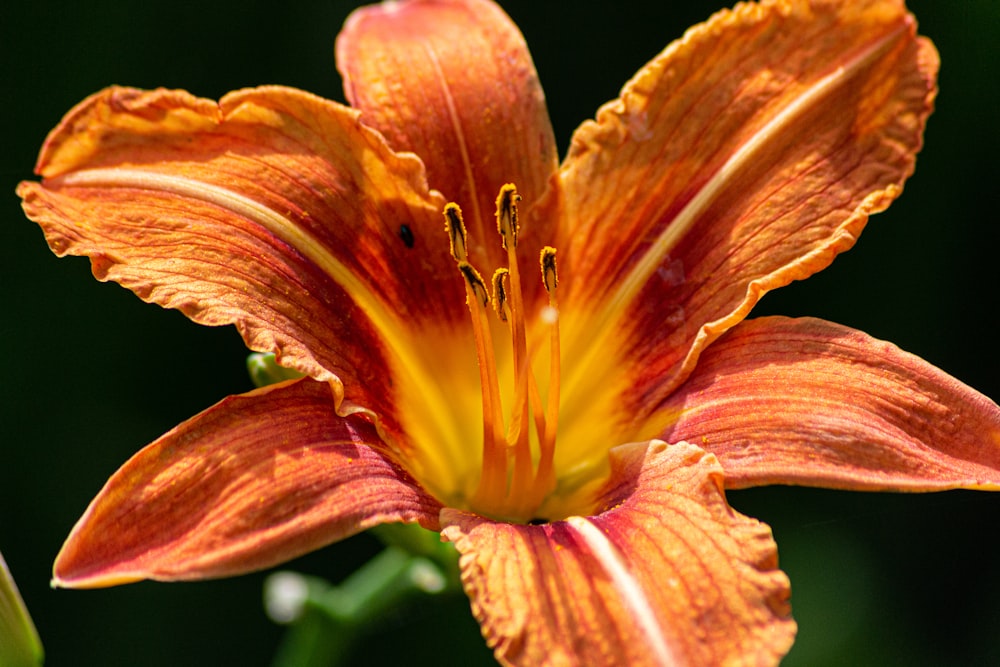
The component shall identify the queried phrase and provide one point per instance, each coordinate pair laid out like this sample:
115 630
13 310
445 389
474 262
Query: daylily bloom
548 363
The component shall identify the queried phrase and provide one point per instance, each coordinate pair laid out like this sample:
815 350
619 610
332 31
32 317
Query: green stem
334 617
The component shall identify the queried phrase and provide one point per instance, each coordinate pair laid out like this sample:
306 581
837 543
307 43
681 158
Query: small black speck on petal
406 234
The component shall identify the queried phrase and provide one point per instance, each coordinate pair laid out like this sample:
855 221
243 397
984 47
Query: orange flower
571 424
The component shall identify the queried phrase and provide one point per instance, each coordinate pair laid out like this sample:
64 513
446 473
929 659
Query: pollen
547 260
507 224
475 283
518 442
455 227
500 307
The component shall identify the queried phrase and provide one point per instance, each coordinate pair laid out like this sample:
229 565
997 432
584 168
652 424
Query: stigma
518 439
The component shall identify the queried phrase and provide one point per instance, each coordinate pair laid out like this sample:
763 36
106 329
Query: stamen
545 475
455 227
500 294
493 477
507 215
547 260
475 283
511 485
518 434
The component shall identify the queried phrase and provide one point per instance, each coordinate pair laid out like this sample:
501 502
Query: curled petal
745 156
256 480
273 210
453 81
803 401
667 574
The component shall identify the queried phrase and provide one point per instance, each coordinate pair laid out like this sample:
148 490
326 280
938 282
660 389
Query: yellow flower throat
514 479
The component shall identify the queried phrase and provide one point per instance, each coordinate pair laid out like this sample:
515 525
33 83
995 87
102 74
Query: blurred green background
93 374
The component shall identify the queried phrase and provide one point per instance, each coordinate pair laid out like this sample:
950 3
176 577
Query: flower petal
803 401
667 574
256 480
274 210
453 81
745 156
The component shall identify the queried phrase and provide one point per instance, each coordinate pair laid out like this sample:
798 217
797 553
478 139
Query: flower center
518 445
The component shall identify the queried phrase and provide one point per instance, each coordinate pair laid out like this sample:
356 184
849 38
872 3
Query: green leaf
19 642
264 370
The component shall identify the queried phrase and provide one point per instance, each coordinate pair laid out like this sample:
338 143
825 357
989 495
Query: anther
455 227
500 293
475 282
507 215
550 278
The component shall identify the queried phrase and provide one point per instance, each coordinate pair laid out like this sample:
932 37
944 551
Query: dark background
91 373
